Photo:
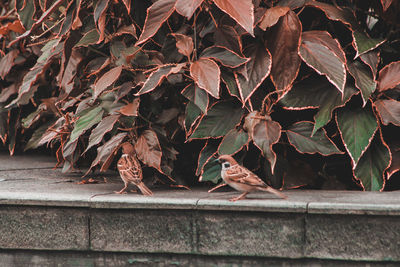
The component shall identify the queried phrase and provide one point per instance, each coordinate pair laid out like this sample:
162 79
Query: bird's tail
273 191
144 189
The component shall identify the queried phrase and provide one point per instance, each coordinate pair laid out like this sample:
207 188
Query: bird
242 179
130 170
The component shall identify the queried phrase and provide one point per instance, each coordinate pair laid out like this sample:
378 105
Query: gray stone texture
142 231
43 228
251 234
353 237
102 259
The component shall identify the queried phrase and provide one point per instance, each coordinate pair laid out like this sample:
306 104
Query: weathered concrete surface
101 259
353 237
250 234
142 231
43 228
43 209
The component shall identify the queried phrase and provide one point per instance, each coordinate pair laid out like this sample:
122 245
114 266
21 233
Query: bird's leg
242 196
123 190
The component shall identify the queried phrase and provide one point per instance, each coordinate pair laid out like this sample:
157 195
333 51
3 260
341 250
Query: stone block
251 234
43 228
142 231
353 237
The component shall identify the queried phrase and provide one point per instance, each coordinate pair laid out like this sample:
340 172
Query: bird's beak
217 160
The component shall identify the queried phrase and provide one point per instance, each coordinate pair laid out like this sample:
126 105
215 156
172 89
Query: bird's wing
240 174
129 167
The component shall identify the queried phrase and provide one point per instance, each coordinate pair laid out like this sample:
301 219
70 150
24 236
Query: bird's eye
226 165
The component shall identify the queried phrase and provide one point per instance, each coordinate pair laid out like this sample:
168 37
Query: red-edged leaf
148 149
363 43
37 22
89 38
131 109
257 69
272 15
364 79
206 73
284 48
240 10
372 165
127 4
266 133
101 129
335 13
127 29
233 142
70 71
389 111
324 38
192 114
357 128
395 164
386 4
15 26
187 7
108 150
157 14
371 58
323 59
7 62
106 80
198 96
389 76
225 56
299 135
226 36
229 79
85 122
157 76
184 44
220 119
206 154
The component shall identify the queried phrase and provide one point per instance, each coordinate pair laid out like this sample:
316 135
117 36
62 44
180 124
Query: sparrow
242 179
130 170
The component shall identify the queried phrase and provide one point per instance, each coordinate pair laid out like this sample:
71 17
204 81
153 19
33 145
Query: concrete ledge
44 210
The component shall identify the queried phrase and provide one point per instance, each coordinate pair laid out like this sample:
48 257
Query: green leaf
220 119
226 57
233 142
364 79
323 60
363 43
206 154
90 38
211 172
85 122
192 113
256 70
326 109
370 169
198 96
34 141
101 129
230 83
357 127
317 93
299 135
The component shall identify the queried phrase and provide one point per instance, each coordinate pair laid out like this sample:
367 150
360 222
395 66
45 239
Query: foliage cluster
281 84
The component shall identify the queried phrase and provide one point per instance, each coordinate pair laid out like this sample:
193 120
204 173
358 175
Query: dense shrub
304 92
